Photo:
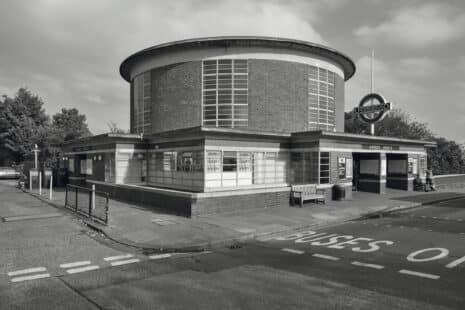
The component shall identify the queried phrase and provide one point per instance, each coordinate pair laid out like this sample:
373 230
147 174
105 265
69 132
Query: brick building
228 123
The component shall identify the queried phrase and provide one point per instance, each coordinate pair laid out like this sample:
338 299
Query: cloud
418 67
69 52
416 27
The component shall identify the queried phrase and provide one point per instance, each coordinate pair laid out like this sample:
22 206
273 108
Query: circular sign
372 108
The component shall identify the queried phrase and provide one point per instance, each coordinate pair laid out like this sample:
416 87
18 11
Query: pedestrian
418 184
429 179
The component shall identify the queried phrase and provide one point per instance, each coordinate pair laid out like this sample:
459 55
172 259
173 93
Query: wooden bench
306 192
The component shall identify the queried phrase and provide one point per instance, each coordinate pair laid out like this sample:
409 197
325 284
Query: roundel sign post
372 108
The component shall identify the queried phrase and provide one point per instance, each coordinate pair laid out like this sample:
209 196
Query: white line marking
107 259
419 274
124 262
33 277
75 264
24 271
328 257
456 262
292 251
159 256
82 269
374 266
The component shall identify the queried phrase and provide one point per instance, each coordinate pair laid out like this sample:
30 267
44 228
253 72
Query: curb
387 211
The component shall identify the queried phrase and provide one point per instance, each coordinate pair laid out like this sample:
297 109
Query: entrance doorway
366 172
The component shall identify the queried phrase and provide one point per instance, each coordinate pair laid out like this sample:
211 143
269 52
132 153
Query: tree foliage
113 128
70 125
24 123
447 158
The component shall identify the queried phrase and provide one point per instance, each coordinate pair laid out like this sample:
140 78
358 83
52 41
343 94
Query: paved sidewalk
154 230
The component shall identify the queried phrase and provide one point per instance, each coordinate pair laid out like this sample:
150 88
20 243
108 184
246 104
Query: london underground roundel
372 108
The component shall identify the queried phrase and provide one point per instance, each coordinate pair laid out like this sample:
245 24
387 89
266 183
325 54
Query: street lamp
36 151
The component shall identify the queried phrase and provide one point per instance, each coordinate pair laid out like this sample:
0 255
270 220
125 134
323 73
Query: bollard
40 182
93 196
30 182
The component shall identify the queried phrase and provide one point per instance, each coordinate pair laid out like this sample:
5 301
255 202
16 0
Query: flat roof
197 132
360 137
344 61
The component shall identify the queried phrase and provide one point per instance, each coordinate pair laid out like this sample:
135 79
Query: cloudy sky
69 51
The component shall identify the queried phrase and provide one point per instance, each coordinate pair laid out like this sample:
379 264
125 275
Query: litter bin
339 192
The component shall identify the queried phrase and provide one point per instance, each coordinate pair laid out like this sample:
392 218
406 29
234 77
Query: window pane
229 161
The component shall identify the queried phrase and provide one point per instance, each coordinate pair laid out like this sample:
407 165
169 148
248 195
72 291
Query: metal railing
88 202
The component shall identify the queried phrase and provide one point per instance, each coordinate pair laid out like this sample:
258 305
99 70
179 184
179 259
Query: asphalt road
409 260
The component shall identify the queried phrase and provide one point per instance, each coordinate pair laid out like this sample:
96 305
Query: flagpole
372 85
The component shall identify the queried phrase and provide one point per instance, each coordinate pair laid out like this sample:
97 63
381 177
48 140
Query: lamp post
36 151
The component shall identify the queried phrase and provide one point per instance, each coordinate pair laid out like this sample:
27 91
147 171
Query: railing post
106 209
76 205
93 196
90 204
40 183
66 196
51 187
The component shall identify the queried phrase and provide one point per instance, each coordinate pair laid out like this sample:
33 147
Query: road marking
456 262
33 277
328 257
25 271
442 253
124 262
292 251
159 256
82 269
419 274
75 264
374 266
107 259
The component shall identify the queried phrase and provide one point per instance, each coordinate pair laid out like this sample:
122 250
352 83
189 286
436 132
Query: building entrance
369 172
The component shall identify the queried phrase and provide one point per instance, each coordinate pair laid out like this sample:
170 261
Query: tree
396 124
113 128
69 125
23 124
447 158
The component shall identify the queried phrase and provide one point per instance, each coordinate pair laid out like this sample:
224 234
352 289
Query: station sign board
372 108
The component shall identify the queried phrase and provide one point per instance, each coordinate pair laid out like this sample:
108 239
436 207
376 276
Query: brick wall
239 203
176 96
450 182
172 204
334 174
186 206
339 103
278 96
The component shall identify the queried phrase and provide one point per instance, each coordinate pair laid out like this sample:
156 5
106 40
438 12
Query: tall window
142 106
224 93
324 167
321 95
